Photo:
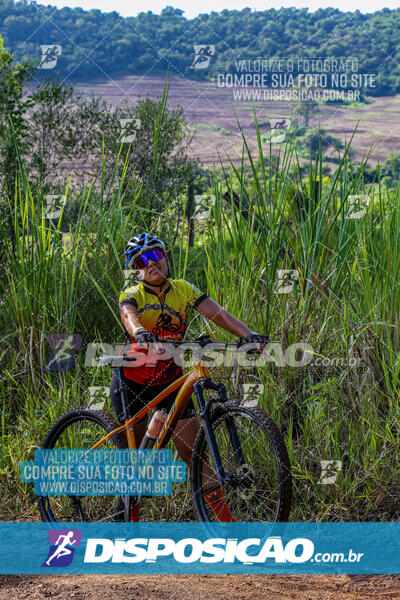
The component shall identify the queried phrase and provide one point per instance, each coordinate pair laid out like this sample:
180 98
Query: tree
69 134
66 132
13 128
136 44
55 133
159 161
306 105
391 166
82 137
312 140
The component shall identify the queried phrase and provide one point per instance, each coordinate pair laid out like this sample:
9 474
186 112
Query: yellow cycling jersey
166 319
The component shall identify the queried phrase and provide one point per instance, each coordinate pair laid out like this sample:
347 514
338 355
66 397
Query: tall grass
345 305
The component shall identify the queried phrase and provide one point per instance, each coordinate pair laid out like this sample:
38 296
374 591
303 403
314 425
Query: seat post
130 436
122 391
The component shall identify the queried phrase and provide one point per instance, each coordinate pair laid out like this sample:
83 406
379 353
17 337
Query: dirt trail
193 587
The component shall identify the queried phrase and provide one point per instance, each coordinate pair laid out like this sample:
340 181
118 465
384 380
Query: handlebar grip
241 340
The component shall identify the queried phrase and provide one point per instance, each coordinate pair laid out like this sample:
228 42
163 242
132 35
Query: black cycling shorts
139 395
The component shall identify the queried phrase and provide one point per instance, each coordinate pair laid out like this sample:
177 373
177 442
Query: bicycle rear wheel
255 458
81 428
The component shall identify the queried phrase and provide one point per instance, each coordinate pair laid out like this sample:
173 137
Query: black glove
144 336
255 338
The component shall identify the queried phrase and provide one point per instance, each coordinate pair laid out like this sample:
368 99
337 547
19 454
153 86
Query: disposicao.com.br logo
213 550
62 547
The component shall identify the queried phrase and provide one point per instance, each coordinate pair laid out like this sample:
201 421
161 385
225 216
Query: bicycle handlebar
205 342
201 341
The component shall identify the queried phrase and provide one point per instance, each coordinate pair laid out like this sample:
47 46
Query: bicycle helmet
143 243
139 244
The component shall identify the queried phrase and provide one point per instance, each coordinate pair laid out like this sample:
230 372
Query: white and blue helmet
139 244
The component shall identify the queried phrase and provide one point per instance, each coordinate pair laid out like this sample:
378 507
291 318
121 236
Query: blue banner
60 472
200 548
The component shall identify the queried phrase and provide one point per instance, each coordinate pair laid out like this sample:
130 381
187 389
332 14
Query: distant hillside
96 44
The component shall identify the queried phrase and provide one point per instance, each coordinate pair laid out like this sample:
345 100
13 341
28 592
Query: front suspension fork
206 413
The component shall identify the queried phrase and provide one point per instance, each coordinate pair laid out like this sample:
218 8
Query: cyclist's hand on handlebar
256 338
144 338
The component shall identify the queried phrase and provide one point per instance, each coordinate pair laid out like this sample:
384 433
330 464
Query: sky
193 8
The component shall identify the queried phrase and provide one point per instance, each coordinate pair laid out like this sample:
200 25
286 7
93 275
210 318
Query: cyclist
153 311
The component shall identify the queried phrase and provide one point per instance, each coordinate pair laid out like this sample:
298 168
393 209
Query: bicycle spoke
251 459
80 431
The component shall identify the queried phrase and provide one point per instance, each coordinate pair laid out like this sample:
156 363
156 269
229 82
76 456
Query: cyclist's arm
130 318
223 318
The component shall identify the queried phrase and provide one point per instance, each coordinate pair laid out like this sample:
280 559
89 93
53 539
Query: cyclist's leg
185 434
133 391
184 437
187 427
137 398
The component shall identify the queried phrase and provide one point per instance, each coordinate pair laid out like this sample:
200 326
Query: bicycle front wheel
258 484
81 428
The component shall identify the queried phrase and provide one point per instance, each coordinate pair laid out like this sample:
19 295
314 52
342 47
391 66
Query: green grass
346 304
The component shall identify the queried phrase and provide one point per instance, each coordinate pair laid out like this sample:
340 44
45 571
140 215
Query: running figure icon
202 56
62 549
63 543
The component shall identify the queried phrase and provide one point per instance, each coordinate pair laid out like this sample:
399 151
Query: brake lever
241 342
203 340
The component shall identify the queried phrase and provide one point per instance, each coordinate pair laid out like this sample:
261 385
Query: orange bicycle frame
185 382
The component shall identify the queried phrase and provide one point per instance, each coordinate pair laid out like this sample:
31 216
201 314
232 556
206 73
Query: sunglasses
143 260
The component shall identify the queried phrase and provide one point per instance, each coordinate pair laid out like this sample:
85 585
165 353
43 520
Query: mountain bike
241 446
